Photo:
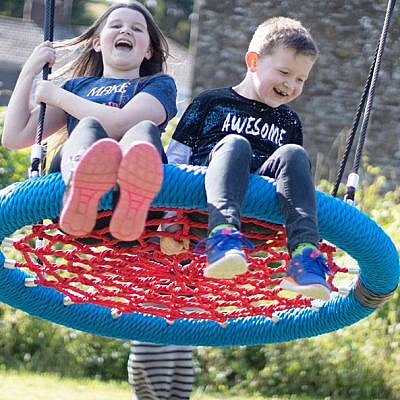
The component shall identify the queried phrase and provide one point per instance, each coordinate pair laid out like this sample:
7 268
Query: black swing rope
38 158
37 149
366 104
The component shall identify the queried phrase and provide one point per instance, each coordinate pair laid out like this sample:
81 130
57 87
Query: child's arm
116 121
20 121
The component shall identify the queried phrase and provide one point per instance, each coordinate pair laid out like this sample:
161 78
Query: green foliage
335 366
30 344
173 17
12 8
167 135
80 13
13 164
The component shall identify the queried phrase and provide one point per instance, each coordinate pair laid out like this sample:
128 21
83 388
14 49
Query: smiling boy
248 128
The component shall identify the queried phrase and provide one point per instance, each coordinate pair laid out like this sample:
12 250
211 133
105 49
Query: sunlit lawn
27 386
24 386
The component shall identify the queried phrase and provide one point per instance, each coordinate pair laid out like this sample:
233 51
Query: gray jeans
228 176
89 130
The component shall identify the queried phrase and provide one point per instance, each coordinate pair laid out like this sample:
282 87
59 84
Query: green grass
26 386
29 386
198 395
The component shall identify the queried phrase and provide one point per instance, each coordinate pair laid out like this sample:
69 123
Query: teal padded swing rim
346 227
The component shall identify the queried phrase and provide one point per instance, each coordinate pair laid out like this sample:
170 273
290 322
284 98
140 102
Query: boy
249 129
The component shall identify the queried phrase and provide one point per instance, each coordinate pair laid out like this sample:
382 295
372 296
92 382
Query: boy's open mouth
280 92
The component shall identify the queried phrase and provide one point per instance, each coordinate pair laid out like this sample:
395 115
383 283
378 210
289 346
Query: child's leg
87 132
157 372
139 178
89 166
226 183
145 131
291 168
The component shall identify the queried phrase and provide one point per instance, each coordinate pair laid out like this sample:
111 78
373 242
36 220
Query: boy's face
279 77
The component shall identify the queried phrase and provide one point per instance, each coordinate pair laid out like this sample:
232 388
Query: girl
114 109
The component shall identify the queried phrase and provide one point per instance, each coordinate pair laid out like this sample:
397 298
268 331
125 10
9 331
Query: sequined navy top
218 112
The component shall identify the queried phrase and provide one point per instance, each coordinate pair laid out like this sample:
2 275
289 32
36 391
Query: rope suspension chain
370 99
354 127
48 34
367 101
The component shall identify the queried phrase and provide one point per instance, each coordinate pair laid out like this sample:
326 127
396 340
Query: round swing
133 291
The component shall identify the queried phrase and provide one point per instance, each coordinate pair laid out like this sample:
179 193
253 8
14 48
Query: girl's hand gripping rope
42 54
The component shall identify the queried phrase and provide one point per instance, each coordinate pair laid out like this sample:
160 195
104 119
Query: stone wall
347 33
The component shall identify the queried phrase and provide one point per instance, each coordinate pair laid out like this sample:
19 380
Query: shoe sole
95 174
231 266
140 178
314 291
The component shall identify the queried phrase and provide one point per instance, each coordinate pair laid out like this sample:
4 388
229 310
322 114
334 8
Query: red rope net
138 277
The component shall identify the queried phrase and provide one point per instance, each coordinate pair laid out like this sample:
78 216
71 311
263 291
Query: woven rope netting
138 277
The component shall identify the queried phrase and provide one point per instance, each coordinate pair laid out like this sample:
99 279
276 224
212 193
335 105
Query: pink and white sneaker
140 178
94 174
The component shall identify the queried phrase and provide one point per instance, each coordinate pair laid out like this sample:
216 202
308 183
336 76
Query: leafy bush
337 365
31 344
13 164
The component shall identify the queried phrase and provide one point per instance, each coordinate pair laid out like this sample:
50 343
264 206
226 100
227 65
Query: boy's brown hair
285 32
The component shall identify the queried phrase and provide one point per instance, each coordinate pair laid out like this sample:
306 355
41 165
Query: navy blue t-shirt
218 112
117 92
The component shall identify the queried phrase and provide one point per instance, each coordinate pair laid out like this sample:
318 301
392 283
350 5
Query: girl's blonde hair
90 63
283 31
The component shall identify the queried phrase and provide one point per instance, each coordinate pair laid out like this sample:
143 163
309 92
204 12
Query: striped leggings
158 372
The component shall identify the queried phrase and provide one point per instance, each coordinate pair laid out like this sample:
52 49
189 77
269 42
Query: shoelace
73 160
316 255
220 240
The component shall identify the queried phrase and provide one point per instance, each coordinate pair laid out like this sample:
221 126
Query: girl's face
124 43
278 78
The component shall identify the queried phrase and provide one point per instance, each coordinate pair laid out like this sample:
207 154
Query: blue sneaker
225 255
306 275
